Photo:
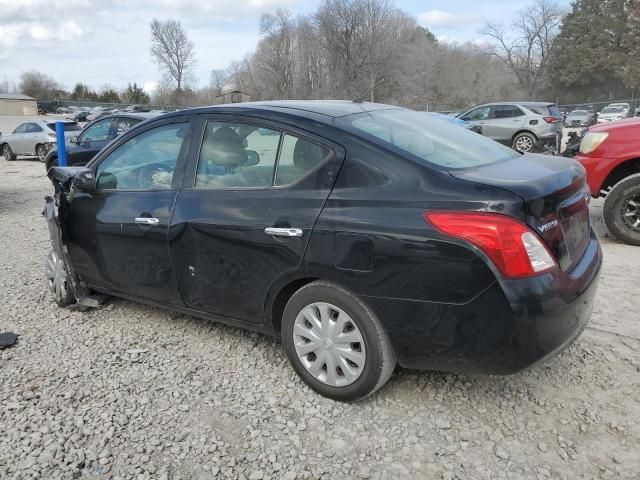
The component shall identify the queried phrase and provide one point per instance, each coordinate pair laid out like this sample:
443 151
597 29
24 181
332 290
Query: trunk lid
555 195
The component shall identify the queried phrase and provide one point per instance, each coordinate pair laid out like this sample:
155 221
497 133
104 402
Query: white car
35 137
613 111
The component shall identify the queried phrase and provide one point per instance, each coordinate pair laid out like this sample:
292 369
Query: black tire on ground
380 359
524 141
8 154
41 152
622 210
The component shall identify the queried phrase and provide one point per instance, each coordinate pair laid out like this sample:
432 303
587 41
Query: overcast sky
102 42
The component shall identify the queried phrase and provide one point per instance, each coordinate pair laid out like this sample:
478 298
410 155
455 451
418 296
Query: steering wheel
145 174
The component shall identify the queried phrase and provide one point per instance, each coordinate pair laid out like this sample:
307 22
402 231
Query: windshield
612 110
578 113
428 138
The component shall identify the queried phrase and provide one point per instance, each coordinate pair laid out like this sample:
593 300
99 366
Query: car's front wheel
57 278
523 142
7 152
621 210
335 342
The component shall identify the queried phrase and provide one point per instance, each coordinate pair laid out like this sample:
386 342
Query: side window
480 113
21 128
237 155
144 162
121 125
97 132
33 128
506 111
297 158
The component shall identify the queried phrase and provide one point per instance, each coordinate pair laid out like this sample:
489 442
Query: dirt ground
130 391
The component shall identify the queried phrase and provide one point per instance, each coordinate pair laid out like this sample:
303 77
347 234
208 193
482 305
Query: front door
244 219
118 235
505 121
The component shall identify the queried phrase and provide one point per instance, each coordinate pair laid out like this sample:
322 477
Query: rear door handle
147 221
283 232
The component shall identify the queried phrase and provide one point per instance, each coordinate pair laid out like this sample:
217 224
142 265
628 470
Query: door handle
283 232
147 221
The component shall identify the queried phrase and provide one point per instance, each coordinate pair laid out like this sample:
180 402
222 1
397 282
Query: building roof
14 96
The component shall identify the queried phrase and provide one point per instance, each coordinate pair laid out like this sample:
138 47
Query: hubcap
524 144
7 152
631 213
57 275
41 152
329 344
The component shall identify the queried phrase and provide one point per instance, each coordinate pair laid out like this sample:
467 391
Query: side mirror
84 180
252 158
74 139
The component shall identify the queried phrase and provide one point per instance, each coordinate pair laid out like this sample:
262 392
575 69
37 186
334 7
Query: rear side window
33 128
506 111
236 155
546 110
427 138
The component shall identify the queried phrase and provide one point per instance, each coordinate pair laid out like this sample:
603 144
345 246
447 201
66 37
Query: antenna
360 98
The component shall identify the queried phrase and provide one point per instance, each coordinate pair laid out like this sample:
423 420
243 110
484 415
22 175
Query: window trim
282 129
181 161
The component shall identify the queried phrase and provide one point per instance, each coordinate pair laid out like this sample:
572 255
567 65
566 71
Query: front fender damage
55 212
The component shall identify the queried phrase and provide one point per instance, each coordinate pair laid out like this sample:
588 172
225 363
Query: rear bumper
510 326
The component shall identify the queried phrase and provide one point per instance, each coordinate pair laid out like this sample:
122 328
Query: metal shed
16 104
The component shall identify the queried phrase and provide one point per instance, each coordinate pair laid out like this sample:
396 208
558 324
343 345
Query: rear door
246 212
504 122
18 141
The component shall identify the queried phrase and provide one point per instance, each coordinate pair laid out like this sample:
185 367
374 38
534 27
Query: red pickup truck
611 154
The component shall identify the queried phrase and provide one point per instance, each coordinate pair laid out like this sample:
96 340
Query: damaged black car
361 235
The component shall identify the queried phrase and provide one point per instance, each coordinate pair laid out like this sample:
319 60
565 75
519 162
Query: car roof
532 104
136 115
329 109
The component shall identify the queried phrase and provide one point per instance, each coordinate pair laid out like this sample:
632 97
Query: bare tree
38 85
172 51
526 48
4 85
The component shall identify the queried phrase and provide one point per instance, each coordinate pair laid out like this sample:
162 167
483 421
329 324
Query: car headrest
307 155
223 147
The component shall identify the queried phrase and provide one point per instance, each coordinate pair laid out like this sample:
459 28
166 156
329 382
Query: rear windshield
545 110
612 110
427 138
68 126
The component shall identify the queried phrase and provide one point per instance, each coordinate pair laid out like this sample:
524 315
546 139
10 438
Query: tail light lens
552 119
514 248
52 135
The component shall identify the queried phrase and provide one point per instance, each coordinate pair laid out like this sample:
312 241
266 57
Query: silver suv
517 124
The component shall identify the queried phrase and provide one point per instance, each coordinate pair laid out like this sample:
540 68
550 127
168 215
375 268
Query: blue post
62 151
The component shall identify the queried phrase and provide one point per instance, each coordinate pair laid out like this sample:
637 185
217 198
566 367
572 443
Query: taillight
552 119
52 135
514 248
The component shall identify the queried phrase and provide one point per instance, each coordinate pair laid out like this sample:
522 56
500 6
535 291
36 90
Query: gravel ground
130 391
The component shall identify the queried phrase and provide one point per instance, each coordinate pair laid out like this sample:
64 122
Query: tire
524 142
41 152
8 154
52 162
621 210
57 274
362 330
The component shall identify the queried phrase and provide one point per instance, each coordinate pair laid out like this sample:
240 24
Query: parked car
361 234
611 155
520 125
579 118
34 137
136 108
94 137
613 111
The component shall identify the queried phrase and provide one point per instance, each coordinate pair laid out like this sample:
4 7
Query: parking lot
130 391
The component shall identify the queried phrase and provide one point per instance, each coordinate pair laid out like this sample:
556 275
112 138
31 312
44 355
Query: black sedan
362 235
95 136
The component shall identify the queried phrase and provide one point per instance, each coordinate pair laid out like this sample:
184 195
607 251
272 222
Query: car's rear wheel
335 342
622 210
7 152
57 278
41 152
523 142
